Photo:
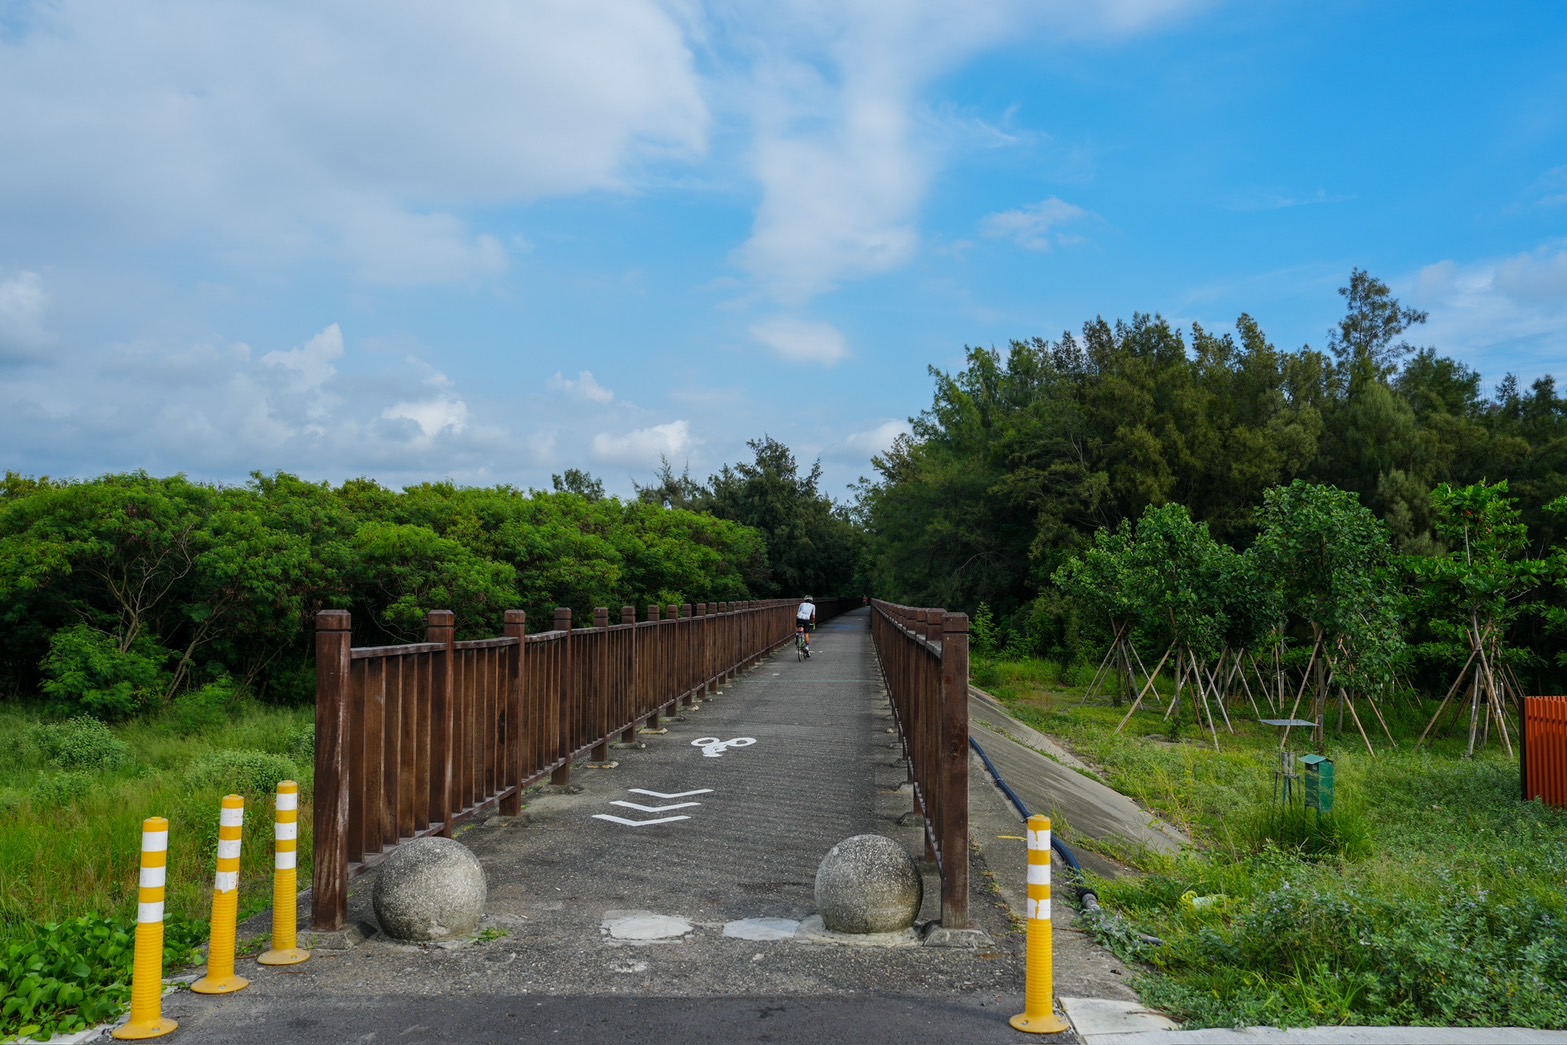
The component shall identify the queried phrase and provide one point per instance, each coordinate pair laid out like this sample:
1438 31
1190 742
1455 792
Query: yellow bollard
147 977
220 978
1039 1001
285 882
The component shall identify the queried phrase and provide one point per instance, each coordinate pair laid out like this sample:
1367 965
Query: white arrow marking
677 794
637 823
655 809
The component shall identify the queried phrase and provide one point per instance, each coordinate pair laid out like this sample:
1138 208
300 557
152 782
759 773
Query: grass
1430 895
72 805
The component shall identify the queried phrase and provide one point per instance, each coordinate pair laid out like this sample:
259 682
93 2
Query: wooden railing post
329 896
629 674
704 626
653 666
601 700
563 623
515 627
953 771
687 652
441 626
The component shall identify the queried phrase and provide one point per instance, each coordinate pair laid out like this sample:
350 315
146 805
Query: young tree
1330 559
1473 593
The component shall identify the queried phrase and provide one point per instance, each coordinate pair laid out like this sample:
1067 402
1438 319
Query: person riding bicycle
805 620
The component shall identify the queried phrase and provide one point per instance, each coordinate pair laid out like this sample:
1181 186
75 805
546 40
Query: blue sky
492 240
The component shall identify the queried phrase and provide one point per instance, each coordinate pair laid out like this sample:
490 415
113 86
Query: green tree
812 546
580 483
1330 560
1472 594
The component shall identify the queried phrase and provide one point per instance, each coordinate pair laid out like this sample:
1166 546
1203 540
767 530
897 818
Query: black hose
1085 892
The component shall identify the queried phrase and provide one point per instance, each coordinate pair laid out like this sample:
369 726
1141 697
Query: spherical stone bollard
429 888
868 884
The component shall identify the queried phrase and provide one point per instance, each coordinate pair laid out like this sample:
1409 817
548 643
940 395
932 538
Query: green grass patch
1431 895
71 812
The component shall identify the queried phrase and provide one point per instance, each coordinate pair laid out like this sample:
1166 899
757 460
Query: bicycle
802 649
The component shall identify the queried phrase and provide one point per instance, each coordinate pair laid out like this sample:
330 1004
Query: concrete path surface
694 929
669 899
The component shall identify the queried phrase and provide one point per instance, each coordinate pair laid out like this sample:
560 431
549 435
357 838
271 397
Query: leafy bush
62 978
254 774
85 670
204 708
82 742
983 640
302 745
59 790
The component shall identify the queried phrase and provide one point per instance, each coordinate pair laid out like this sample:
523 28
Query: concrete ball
429 888
868 884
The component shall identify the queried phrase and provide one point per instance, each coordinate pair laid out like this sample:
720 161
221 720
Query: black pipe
1085 893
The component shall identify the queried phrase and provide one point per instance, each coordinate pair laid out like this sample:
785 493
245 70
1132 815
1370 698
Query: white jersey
807 611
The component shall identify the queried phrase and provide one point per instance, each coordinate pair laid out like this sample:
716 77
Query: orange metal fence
924 658
414 740
1544 758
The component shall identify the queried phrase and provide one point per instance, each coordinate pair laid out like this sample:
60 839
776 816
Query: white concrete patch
762 929
628 968
814 931
1092 1016
643 927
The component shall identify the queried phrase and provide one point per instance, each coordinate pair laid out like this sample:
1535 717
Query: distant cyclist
805 620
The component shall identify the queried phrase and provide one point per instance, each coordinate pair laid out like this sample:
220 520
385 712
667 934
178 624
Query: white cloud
801 340
219 410
584 387
356 131
1036 226
23 304
1496 315
862 445
644 446
433 416
842 151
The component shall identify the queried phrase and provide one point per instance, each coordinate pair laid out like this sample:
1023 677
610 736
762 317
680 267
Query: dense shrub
60 790
204 708
302 745
82 742
254 774
85 670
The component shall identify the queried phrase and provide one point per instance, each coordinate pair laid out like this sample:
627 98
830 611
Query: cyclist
804 621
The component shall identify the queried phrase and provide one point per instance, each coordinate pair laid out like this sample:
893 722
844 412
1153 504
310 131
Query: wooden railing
924 657
1543 762
414 740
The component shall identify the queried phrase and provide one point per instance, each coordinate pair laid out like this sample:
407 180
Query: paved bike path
670 921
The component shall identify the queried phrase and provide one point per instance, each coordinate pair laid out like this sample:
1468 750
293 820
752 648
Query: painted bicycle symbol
712 747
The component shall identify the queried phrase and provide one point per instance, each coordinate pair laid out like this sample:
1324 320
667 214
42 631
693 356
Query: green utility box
1319 782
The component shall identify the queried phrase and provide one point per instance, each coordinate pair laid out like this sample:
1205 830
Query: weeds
1430 895
70 845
